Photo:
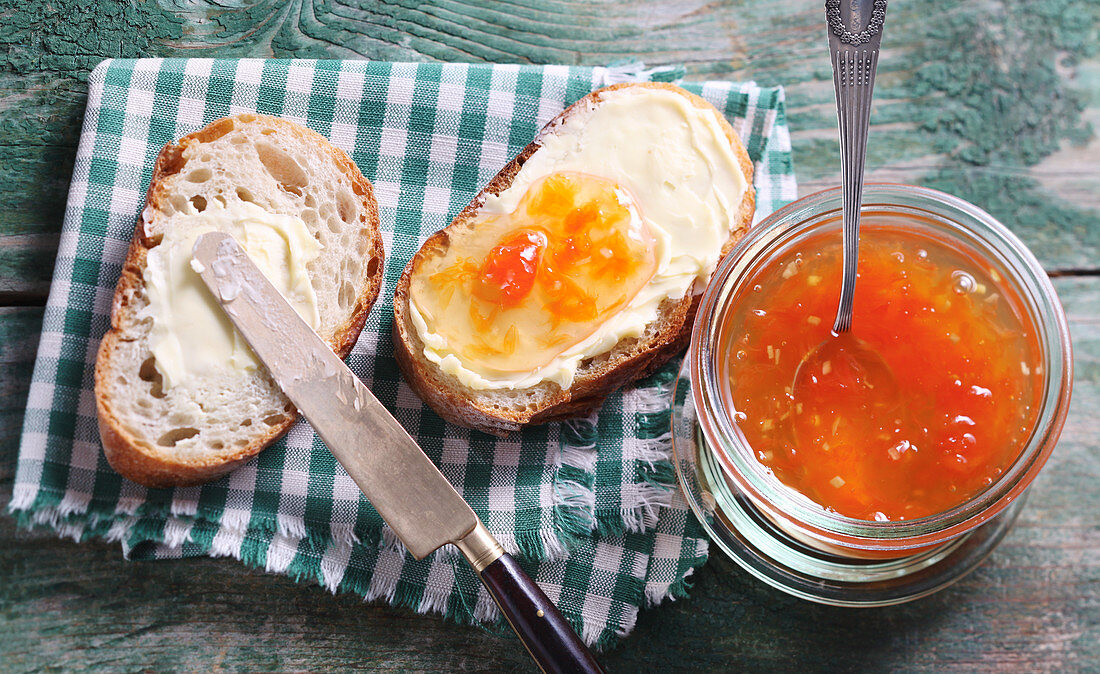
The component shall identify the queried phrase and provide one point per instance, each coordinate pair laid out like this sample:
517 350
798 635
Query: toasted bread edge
453 401
123 451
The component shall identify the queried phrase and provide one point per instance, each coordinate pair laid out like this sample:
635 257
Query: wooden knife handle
540 626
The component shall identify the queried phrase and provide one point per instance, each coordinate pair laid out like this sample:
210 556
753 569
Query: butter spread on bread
191 337
179 398
660 188
673 168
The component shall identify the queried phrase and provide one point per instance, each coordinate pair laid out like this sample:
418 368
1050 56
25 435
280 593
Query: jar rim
763 487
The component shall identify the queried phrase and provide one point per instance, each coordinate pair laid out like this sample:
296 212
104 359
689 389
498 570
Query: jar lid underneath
771 555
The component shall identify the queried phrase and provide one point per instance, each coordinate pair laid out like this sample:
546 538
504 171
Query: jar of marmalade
880 465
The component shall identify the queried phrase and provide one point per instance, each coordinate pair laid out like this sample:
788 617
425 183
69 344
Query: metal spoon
855 31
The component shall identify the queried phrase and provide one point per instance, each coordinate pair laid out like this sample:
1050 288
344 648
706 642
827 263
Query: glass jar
782 536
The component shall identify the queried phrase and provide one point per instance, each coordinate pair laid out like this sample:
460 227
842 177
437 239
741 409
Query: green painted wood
990 100
19 328
993 100
1033 606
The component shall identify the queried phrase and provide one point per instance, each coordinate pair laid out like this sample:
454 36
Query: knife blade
402 484
395 475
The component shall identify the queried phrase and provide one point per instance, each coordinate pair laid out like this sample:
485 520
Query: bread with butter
505 408
163 435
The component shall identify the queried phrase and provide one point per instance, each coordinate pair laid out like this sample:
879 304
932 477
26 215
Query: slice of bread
162 436
500 411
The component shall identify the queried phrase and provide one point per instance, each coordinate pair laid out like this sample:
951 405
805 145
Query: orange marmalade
534 282
928 399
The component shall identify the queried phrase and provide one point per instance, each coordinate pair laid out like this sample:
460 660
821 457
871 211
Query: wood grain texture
1033 606
19 327
993 100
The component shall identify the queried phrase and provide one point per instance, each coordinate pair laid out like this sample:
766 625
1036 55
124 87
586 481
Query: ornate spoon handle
855 58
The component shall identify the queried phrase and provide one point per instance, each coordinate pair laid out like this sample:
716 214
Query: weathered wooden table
991 100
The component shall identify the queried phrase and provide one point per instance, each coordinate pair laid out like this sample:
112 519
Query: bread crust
458 404
150 465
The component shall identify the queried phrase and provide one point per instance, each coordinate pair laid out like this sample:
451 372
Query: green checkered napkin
589 507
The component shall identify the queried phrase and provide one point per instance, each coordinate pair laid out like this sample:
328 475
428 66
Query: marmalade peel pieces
530 284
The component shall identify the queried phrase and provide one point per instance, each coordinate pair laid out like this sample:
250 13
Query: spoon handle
855 31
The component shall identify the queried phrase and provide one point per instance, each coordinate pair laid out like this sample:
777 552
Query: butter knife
399 480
